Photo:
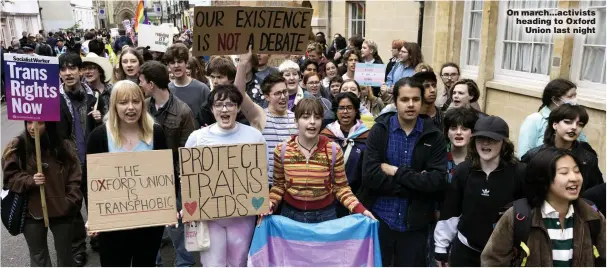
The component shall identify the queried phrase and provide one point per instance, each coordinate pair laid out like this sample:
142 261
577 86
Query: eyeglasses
449 75
345 108
278 94
89 67
228 105
314 83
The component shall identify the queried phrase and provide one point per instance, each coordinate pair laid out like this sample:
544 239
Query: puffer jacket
499 250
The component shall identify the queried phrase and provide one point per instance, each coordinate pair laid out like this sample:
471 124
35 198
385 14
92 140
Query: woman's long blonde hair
128 90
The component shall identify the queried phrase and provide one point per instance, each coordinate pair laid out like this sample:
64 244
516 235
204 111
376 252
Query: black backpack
522 228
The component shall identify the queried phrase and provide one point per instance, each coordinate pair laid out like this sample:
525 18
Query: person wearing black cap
483 187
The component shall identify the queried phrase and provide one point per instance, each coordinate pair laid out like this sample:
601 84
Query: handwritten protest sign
369 74
32 87
158 38
131 190
229 30
224 181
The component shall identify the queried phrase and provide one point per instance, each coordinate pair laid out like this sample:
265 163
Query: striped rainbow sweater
308 184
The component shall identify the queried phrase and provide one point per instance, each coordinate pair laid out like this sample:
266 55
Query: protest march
253 138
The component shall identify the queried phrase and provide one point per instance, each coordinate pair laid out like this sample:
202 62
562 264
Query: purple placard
32 87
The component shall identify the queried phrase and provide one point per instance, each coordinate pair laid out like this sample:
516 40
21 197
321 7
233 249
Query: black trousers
461 255
402 248
136 247
35 236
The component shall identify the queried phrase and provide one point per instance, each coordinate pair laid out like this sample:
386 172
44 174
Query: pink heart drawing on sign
191 207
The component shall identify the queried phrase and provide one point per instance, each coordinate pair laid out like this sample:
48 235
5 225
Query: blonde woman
129 128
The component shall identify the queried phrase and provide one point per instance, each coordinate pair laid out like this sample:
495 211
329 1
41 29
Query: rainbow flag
141 16
350 241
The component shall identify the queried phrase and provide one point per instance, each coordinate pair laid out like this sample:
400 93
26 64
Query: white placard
158 38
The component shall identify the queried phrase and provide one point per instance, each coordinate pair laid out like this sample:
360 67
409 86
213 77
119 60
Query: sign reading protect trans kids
32 87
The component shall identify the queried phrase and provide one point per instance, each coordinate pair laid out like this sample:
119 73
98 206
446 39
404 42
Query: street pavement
14 249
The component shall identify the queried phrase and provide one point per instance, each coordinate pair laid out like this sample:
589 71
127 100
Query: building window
28 24
520 53
588 62
11 27
471 34
357 18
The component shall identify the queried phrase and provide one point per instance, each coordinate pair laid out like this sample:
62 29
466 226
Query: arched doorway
122 15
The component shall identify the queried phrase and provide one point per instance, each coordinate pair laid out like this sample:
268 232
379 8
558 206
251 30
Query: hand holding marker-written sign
224 181
33 83
230 30
130 190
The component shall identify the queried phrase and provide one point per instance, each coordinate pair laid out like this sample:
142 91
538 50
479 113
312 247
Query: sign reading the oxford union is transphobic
32 87
369 74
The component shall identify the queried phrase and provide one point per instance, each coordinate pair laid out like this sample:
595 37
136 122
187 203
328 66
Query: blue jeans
183 258
310 216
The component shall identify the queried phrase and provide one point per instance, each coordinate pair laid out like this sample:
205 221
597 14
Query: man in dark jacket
177 121
76 123
404 173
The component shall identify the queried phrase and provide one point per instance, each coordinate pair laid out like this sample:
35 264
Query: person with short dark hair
531 133
98 47
428 107
275 122
231 237
463 93
565 124
351 134
187 89
222 71
561 233
482 188
351 58
335 86
76 123
404 172
145 52
177 122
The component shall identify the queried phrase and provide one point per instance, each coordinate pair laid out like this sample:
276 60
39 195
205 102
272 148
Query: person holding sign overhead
230 237
129 128
63 195
309 172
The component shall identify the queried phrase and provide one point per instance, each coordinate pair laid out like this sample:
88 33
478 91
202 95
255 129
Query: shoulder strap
522 227
333 154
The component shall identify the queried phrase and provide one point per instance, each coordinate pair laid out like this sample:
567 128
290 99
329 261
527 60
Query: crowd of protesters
438 174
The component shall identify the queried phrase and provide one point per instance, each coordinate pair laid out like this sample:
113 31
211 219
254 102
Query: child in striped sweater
309 172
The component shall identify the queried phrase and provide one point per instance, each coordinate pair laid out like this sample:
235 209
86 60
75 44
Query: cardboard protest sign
369 74
158 38
131 190
32 87
229 30
224 181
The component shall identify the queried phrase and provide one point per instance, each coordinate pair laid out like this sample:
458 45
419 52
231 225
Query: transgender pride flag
350 241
